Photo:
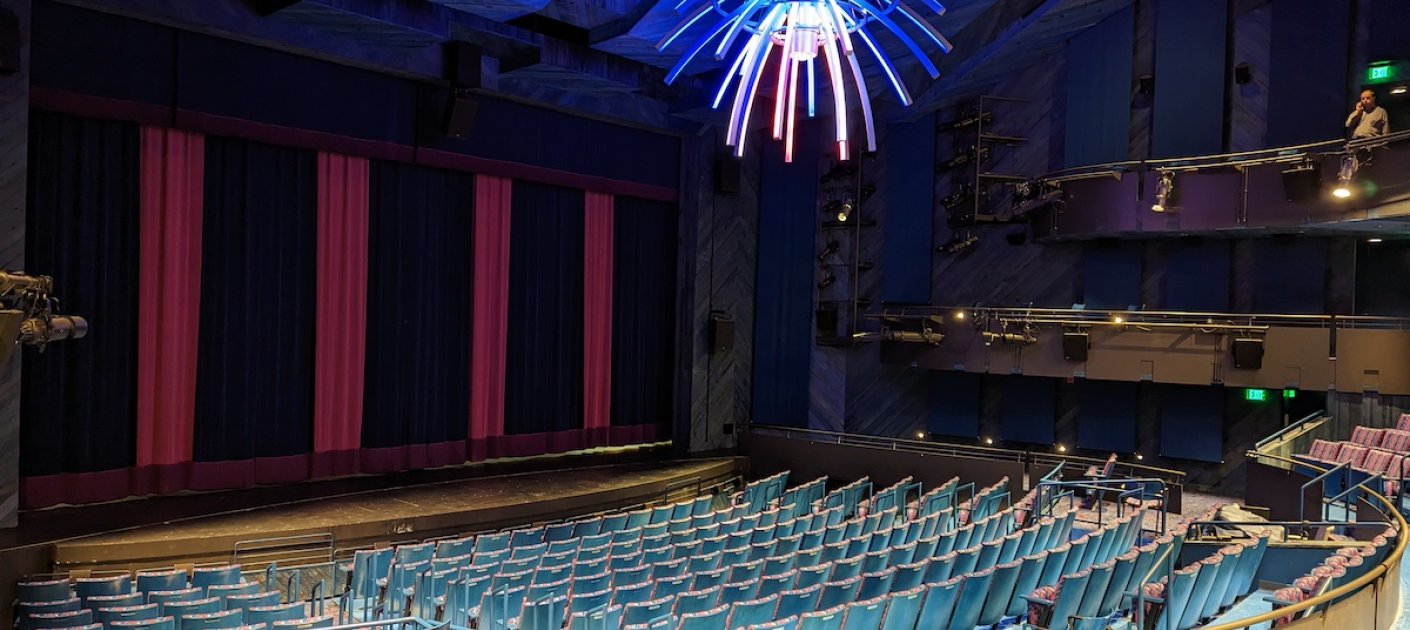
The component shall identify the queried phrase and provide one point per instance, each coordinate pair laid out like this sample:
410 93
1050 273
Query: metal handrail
977 452
1130 318
1302 493
1293 425
1346 589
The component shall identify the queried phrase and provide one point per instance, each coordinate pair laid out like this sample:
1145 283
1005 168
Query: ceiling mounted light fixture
803 31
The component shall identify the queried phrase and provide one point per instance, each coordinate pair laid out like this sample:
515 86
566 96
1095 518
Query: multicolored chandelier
803 31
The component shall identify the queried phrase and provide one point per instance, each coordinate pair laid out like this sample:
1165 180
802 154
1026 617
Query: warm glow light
1399 89
1062 449
959 315
1117 319
804 32
1342 192
988 440
1140 456
1374 239
920 435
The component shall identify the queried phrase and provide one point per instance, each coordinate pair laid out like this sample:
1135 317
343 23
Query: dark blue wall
1308 91
910 211
1099 90
1106 417
1111 276
954 404
1197 277
1290 276
1028 404
1190 42
783 326
1192 422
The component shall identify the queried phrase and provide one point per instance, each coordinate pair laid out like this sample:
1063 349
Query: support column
14 160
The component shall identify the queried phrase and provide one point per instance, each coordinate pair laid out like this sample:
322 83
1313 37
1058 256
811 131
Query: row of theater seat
1393 466
1342 566
170 599
1198 592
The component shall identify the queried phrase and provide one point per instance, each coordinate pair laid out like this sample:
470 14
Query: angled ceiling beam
622 25
954 75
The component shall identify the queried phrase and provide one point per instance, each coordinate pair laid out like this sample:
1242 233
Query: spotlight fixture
827 282
1399 89
1349 166
920 435
959 316
989 440
803 31
1374 239
844 212
830 249
1140 457
865 265
958 243
1017 339
1061 448
1117 319
1163 189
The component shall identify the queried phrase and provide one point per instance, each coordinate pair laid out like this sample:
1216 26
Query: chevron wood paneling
1142 64
1248 104
14 152
726 238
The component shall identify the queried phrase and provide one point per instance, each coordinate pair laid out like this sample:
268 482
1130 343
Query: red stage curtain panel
172 179
489 315
340 347
597 318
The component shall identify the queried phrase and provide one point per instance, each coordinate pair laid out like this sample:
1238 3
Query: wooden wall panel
14 159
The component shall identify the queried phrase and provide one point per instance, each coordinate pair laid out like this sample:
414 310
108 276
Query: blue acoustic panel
1111 276
954 404
1290 276
1308 99
1192 422
1197 277
1027 409
910 211
784 289
1106 417
1190 43
1099 91
73 50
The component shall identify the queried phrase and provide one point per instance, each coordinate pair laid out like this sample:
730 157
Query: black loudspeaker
827 320
9 43
721 332
727 174
462 64
1303 183
1242 74
1074 346
1146 84
460 115
1248 354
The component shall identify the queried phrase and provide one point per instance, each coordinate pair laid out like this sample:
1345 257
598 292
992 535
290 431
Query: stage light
804 32
1140 457
1349 166
1163 188
830 249
959 315
844 212
827 282
1061 448
989 441
957 243
1399 89
920 435
1117 319
42 323
1374 239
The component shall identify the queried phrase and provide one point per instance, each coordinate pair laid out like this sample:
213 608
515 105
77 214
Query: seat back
546 613
206 577
242 602
278 612
114 601
88 587
323 621
903 609
166 580
866 614
698 600
216 619
755 611
152 623
827 619
644 612
712 619
121 613
66 619
192 607
43 590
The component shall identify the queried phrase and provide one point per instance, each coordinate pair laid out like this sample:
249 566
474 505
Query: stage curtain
416 396
597 317
254 371
77 405
172 179
543 406
643 320
490 321
341 330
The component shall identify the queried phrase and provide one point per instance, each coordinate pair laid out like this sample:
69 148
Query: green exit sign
1256 395
1387 72
1289 393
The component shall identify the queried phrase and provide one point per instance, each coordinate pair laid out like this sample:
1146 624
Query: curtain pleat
172 179
490 306
597 318
643 320
341 331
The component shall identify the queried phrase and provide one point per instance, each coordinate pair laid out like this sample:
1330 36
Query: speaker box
1074 347
9 43
827 320
727 174
460 115
721 332
1303 183
1248 354
462 64
1243 75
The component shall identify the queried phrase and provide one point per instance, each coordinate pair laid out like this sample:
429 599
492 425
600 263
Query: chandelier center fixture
803 31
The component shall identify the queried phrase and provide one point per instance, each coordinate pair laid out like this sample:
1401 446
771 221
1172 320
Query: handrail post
1302 493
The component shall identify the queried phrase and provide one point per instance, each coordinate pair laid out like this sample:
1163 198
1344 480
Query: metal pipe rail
1195 534
1132 318
1258 446
955 450
1350 588
1302 494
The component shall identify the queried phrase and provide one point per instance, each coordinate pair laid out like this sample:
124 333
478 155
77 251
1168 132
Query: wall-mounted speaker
1243 75
1146 84
462 64
826 317
727 174
1074 346
460 115
9 42
721 332
1303 183
1248 354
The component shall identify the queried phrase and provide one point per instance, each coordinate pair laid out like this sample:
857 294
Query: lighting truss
803 31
